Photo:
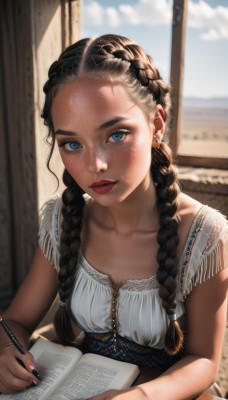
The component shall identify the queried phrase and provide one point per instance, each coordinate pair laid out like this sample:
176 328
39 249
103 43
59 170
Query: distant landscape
205 127
205 133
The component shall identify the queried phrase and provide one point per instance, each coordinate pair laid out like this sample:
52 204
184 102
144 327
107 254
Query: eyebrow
64 133
111 122
103 126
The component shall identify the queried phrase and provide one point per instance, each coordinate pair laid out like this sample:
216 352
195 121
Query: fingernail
30 367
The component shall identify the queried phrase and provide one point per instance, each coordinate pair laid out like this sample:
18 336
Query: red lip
103 186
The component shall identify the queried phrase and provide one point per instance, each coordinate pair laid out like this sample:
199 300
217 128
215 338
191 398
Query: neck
138 213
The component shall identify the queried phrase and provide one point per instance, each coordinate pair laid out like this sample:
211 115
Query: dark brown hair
117 59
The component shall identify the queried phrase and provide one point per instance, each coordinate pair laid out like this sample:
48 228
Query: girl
140 265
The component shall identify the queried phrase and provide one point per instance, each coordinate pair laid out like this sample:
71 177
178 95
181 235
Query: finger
18 377
19 369
27 362
11 384
13 376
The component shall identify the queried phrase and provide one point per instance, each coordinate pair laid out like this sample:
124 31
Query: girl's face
104 139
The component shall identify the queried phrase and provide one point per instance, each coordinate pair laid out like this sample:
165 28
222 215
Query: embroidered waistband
128 351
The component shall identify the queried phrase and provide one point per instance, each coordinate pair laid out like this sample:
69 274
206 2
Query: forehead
84 91
92 99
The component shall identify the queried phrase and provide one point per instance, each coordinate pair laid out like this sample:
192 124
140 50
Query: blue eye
118 136
70 146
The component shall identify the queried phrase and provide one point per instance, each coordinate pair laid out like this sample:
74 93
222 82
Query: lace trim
137 285
49 232
196 227
212 263
215 232
214 255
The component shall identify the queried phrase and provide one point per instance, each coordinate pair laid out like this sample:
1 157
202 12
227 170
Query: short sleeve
49 229
206 251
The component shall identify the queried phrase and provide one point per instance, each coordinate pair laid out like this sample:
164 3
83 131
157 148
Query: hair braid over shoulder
167 189
72 211
117 59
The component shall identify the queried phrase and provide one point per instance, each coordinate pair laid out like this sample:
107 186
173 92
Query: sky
148 23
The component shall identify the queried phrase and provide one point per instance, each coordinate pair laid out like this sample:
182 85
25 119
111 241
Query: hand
135 393
14 376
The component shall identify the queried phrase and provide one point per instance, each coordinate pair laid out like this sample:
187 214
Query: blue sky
148 22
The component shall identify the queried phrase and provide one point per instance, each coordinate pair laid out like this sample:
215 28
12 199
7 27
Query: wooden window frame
179 24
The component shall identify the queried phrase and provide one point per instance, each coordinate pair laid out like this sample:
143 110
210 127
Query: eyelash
123 132
67 142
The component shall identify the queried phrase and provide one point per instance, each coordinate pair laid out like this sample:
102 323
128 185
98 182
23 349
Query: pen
17 344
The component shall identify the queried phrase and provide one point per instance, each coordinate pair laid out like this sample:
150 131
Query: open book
68 374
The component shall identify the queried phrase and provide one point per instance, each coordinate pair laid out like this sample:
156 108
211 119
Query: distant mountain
213 102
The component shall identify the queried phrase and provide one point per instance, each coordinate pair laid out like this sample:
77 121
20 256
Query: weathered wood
194 161
180 13
71 22
75 18
30 39
19 198
5 215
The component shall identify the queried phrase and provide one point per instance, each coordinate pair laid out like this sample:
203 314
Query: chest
122 257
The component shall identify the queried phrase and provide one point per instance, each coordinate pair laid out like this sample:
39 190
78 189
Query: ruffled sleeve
49 229
206 251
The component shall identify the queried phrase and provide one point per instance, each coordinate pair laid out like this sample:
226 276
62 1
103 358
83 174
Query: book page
64 378
93 375
53 362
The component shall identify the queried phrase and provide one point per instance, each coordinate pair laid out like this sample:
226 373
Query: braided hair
117 59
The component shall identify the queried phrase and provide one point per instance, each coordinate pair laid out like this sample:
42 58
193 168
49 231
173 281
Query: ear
158 121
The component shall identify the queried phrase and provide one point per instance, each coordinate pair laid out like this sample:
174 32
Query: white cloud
213 20
94 14
112 16
145 12
210 36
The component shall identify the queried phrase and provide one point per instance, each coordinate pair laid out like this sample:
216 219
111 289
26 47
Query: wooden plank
30 39
71 21
180 12
210 162
18 132
75 20
176 78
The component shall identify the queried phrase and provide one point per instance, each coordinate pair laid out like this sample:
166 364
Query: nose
96 160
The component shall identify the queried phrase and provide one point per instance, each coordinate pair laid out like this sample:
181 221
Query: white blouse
141 317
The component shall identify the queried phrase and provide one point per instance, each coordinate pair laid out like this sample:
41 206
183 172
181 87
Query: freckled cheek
136 156
73 165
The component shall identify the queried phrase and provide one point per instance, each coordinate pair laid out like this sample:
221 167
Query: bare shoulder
188 206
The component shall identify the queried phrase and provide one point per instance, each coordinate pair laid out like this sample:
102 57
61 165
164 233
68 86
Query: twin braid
72 210
143 70
118 54
165 178
117 58
167 189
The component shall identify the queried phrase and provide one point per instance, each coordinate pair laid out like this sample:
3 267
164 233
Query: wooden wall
32 34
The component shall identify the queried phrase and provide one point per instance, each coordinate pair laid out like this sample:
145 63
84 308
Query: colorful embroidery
128 351
192 237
